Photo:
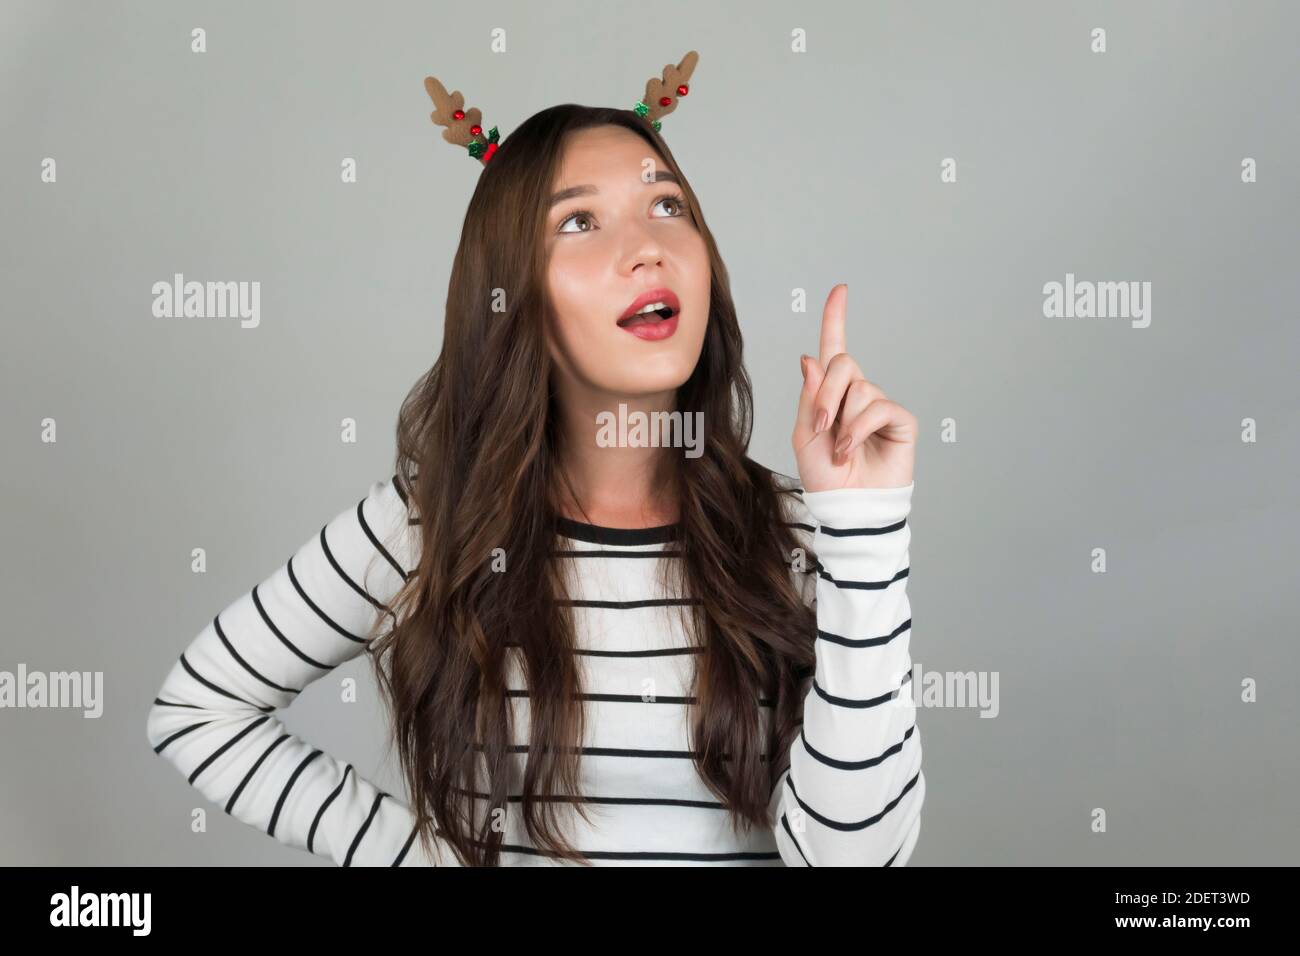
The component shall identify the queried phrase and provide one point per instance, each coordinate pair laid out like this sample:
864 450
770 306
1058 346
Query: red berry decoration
476 129
664 100
458 114
683 90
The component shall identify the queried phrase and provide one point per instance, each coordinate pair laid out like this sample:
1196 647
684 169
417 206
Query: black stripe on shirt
356 841
230 805
284 640
227 745
650 652
864 641
786 823
311 834
630 605
279 803
854 764
180 733
854 532
172 703
319 613
865 585
628 698
613 801
604 553
650 854
856 824
869 702
621 752
406 846
626 537
338 568
653 652
365 526
224 693
216 623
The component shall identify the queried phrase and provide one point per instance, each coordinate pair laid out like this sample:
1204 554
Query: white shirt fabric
852 795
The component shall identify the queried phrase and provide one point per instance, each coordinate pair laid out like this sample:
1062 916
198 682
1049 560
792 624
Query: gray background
1117 690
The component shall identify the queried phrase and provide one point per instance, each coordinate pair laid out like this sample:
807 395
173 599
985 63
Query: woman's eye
678 203
574 217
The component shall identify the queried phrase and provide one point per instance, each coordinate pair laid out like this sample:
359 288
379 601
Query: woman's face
619 238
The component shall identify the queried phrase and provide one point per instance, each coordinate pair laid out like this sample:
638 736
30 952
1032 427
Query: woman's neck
614 486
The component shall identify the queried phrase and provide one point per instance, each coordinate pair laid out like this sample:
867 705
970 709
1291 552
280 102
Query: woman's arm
853 793
215 715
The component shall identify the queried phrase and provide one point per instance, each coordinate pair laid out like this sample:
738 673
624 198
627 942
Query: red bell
683 90
476 129
664 100
458 114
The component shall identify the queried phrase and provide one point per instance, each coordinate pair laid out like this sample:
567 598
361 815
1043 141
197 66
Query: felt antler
662 92
464 127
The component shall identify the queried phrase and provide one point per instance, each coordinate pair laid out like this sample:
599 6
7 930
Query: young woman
591 654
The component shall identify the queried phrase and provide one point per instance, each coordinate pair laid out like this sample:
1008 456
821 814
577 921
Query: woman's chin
646 373
648 378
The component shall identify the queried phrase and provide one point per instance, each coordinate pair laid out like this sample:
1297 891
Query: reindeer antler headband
464 127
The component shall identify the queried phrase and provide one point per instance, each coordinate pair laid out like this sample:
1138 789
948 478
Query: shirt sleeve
853 791
215 717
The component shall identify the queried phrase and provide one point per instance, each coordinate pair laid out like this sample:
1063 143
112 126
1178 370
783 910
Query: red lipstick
654 325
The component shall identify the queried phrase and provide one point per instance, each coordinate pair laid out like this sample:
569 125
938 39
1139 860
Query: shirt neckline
599 534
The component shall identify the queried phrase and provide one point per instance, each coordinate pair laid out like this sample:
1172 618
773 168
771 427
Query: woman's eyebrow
661 175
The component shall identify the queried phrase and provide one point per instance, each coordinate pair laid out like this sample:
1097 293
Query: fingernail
842 446
822 419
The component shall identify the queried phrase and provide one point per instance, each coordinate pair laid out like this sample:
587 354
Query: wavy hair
478 449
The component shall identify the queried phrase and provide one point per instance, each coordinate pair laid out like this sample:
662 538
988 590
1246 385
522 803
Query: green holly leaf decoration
477 149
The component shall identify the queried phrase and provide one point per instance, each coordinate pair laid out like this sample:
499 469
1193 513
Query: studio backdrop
1069 235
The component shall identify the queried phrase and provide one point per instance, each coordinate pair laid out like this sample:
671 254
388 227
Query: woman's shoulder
388 519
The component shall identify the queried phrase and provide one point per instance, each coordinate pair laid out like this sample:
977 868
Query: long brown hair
478 447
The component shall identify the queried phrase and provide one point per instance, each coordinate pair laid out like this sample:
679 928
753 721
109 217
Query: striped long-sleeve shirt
852 794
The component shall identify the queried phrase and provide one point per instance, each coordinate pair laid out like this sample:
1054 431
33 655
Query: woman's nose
642 245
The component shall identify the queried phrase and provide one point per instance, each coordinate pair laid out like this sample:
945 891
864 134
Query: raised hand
847 433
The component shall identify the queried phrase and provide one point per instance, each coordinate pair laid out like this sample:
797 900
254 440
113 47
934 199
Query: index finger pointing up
833 339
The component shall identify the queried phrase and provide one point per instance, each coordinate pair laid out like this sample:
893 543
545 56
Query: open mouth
653 316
